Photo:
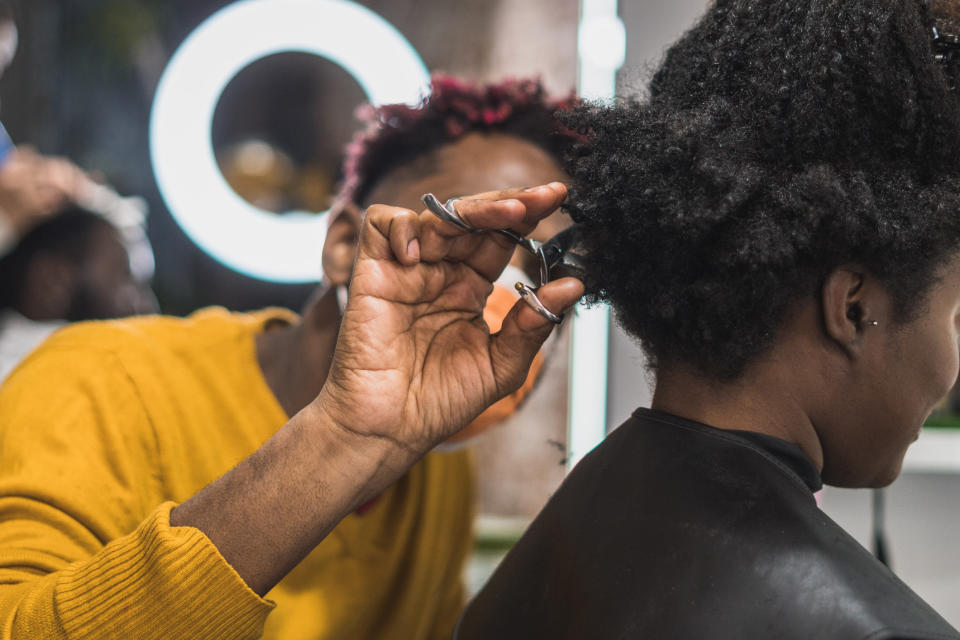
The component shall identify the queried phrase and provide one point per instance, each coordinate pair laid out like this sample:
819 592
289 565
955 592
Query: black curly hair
781 139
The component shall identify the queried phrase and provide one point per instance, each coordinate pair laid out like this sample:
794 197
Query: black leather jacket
674 530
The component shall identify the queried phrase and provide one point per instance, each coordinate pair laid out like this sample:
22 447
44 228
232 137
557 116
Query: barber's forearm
271 510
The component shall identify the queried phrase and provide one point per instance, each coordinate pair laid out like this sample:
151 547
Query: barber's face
474 164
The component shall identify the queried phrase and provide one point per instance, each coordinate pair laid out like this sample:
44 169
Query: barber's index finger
538 202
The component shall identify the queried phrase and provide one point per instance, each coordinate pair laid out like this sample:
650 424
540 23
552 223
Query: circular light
281 248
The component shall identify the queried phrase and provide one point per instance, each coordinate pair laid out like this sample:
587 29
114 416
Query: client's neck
761 400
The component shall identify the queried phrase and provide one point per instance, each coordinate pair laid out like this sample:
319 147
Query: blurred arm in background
33 188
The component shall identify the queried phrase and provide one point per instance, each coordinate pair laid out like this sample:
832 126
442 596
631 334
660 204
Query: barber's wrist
373 462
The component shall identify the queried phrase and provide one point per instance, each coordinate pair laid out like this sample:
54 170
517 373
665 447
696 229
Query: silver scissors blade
446 212
530 297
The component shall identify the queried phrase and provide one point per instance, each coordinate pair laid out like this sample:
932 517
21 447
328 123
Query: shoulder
833 588
207 325
134 337
694 534
119 353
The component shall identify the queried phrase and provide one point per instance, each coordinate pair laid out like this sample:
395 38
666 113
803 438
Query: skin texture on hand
414 363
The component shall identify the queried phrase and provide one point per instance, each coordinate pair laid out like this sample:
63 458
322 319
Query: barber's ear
340 245
846 303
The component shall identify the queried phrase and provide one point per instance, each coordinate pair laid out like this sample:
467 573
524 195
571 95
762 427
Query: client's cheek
943 376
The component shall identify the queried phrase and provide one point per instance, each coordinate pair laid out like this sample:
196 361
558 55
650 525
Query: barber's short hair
398 134
946 10
782 139
66 234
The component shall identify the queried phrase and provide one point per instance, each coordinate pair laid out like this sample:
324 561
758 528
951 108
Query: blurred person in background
60 261
72 266
155 530
33 187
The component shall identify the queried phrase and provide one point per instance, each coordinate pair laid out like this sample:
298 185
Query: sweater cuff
159 582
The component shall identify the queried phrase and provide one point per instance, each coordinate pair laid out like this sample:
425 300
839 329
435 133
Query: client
779 226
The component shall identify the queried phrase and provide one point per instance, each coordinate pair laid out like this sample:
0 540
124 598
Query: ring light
280 248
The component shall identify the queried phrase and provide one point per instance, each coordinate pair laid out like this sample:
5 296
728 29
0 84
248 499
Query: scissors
946 46
556 256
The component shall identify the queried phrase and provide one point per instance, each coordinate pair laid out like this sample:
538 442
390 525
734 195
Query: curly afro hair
397 134
781 139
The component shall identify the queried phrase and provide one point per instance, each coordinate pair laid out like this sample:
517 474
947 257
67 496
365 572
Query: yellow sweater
109 425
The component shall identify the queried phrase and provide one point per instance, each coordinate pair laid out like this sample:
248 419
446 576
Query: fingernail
413 249
532 189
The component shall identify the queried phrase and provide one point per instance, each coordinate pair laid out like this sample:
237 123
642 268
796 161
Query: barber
414 363
33 187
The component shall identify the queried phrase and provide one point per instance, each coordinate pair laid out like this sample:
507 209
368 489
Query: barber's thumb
524 330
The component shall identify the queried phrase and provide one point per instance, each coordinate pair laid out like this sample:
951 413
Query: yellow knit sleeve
86 550
451 597
158 582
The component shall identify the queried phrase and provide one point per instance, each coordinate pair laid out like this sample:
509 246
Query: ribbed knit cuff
159 582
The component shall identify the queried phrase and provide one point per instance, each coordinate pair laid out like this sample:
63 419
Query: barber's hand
33 187
415 362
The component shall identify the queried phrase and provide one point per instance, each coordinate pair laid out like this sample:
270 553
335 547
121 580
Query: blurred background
84 77
83 84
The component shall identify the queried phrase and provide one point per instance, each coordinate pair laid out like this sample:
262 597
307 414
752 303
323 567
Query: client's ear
847 300
340 244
